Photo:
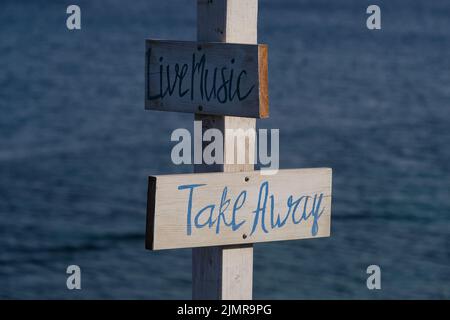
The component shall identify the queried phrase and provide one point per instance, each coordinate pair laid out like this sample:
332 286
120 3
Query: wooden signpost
207 78
211 209
223 79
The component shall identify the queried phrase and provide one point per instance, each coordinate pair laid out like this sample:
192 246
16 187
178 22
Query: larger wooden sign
195 210
207 78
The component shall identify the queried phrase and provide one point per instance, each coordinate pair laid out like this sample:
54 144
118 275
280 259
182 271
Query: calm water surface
76 147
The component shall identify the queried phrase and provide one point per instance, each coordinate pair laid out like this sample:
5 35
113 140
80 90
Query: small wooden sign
209 209
207 78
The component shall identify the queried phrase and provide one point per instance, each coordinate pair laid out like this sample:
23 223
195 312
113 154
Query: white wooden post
225 272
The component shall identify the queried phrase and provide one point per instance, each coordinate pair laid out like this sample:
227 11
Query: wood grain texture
292 204
263 81
207 78
225 272
237 272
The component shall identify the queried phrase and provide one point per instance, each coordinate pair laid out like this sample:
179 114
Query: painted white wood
210 209
237 272
222 272
232 21
207 78
225 272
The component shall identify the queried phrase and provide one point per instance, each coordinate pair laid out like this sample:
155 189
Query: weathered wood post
225 207
225 272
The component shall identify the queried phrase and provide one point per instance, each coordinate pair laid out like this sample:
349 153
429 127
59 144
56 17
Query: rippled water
76 147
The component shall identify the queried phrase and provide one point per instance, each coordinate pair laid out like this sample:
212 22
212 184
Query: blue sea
77 146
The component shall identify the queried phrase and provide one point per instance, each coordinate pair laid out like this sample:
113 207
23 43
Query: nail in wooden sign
207 78
211 209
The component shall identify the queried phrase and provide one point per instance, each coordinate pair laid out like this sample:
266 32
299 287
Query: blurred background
76 147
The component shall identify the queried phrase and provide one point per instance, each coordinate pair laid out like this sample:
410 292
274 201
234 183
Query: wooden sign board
210 209
207 78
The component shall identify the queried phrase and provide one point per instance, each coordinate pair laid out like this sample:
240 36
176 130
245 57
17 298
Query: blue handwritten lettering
261 207
298 209
189 207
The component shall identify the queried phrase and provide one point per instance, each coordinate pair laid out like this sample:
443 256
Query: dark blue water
76 147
